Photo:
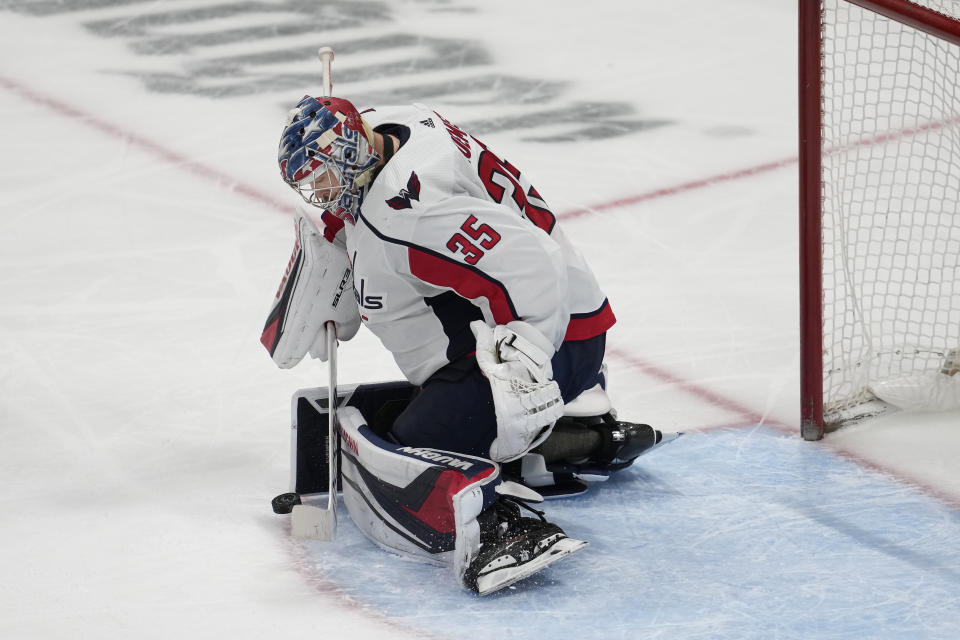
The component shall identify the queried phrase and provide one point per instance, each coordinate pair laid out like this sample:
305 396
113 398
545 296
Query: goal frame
810 94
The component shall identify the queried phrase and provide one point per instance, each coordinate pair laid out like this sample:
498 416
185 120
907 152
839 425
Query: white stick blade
312 522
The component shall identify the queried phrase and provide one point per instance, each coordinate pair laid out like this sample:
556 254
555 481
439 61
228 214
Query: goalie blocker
430 505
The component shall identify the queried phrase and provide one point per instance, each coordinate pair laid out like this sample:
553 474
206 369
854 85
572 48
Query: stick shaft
326 59
308 521
333 435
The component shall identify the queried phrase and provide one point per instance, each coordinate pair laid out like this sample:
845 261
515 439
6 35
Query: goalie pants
453 410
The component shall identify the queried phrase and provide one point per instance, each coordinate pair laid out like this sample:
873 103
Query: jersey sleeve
490 255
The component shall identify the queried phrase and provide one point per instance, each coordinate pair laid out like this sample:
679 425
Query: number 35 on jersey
476 238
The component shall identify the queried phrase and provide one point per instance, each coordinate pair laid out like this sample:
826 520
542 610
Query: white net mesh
891 201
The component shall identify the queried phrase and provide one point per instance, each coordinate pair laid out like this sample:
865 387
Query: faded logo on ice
189 51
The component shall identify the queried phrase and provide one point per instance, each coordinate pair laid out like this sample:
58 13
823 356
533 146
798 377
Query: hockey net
880 207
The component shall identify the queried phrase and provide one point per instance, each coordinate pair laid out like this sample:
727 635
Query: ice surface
143 231
745 552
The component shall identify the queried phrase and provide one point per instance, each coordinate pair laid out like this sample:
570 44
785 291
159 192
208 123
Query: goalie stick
309 521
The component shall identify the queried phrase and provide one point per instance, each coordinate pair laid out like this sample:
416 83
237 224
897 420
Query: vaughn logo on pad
436 456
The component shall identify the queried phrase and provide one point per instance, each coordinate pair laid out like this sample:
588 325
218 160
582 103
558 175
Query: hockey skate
513 547
621 442
586 449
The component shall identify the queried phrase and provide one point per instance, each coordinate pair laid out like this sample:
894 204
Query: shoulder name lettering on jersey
457 135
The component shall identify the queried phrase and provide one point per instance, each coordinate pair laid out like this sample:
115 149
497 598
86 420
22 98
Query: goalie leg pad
428 504
381 402
418 502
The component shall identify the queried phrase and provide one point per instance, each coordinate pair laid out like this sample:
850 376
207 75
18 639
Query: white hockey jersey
449 233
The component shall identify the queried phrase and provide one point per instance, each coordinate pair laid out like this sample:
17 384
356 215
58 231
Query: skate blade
505 577
666 438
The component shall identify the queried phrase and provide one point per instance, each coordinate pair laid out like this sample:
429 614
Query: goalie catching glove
515 358
317 288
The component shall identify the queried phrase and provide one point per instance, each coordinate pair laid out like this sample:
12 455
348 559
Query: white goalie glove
317 288
515 358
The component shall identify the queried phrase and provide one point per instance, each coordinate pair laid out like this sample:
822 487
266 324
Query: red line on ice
175 158
746 415
950 499
749 172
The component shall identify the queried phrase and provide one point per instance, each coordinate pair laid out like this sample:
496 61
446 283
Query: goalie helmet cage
879 192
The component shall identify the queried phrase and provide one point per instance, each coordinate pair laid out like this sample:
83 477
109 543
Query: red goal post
879 116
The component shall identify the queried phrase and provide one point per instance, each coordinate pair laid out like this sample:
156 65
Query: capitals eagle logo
411 192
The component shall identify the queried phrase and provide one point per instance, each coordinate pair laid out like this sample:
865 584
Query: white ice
144 429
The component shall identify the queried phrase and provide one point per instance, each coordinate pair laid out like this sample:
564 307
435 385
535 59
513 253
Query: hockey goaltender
457 264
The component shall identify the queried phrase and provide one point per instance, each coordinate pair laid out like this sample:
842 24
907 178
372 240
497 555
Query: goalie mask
326 154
